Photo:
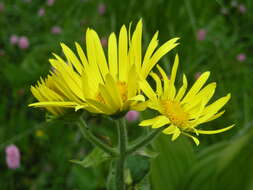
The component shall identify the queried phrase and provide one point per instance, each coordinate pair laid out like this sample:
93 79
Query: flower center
122 87
175 113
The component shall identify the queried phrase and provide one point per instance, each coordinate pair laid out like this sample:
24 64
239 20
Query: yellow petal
163 120
174 70
214 131
123 59
100 106
196 86
182 90
57 104
193 138
99 52
149 122
139 97
112 55
159 89
72 58
164 49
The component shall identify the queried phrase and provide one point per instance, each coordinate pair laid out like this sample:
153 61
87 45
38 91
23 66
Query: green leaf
139 167
96 157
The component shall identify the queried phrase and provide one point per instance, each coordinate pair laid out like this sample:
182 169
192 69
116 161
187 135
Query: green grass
221 161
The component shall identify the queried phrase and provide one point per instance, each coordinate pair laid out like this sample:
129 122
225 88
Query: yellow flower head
98 84
183 111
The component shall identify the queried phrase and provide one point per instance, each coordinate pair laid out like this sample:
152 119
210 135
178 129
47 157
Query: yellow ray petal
149 122
176 134
72 58
52 104
81 55
151 48
100 106
136 45
174 70
196 141
214 131
100 56
165 48
139 97
111 87
148 91
159 89
163 120
112 55
182 90
196 86
165 82
123 59
108 98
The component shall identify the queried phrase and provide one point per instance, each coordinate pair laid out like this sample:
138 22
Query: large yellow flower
92 82
182 112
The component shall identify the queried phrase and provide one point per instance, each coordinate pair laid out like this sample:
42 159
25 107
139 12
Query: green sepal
68 117
96 157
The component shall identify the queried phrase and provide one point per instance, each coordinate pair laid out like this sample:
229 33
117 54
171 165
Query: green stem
94 140
145 141
122 146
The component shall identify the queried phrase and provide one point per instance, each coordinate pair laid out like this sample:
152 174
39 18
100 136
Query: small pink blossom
14 39
132 116
241 57
12 157
201 34
242 9
104 41
197 75
1 7
101 9
50 2
23 42
41 12
56 30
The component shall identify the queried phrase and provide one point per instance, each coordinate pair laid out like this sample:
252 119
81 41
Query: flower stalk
145 141
93 139
122 148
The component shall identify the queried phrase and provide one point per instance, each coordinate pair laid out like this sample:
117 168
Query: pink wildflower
132 116
201 34
241 57
104 41
41 12
101 9
56 30
12 157
50 2
14 39
23 42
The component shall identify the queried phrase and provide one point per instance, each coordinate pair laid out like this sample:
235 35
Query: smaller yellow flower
39 133
182 111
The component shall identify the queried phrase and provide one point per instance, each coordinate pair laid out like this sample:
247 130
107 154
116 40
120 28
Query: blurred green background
215 36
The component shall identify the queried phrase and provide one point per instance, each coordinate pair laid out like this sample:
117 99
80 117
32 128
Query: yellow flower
182 112
92 82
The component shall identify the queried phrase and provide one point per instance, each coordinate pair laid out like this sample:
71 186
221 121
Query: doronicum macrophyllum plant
114 84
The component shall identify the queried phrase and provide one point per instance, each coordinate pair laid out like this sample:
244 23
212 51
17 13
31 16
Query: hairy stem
145 141
122 146
94 140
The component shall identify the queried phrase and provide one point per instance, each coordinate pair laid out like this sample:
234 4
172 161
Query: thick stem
145 141
94 140
122 146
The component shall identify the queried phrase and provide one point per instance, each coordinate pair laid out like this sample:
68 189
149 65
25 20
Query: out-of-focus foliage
222 161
